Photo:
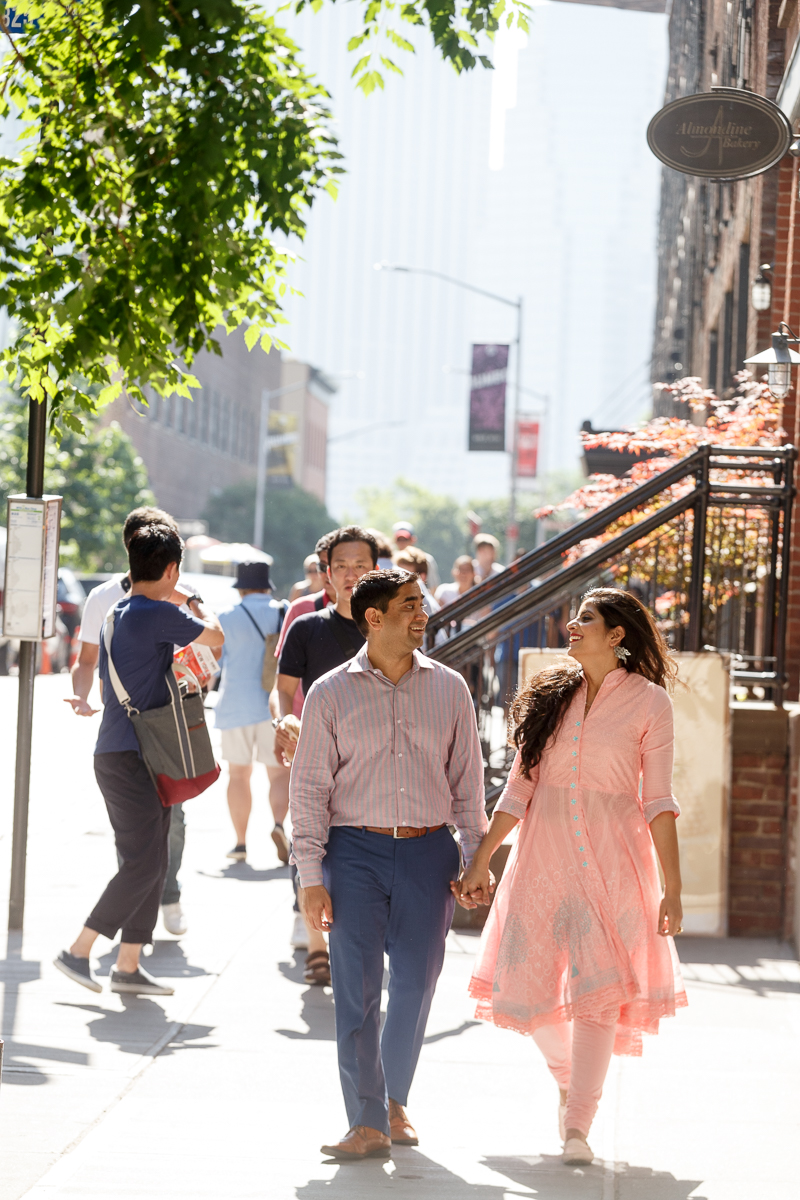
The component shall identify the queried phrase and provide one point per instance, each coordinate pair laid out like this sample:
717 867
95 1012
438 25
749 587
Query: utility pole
37 436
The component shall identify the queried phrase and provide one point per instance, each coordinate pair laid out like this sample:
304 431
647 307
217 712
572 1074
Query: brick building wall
763 821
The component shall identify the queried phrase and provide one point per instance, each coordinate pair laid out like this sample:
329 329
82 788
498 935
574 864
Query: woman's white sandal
577 1153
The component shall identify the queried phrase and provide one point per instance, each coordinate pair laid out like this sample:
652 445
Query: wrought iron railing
705 545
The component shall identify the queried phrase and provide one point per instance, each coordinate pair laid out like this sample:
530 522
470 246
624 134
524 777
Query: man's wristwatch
276 722
194 596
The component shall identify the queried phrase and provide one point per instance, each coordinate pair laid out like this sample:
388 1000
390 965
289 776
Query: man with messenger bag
147 625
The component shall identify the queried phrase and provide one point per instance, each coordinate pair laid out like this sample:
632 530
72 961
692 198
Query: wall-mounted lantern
778 360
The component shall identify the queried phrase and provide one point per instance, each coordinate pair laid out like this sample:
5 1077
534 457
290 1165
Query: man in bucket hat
242 712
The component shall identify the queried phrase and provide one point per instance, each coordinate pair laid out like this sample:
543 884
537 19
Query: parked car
70 599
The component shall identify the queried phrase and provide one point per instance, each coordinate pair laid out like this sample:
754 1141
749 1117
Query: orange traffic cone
47 667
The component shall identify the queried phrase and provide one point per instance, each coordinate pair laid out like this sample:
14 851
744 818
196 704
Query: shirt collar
611 681
360 662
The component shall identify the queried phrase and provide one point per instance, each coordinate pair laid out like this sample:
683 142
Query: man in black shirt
319 641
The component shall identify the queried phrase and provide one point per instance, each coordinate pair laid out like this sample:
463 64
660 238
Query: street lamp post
511 530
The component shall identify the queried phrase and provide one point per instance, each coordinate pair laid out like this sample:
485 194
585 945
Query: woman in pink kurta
576 949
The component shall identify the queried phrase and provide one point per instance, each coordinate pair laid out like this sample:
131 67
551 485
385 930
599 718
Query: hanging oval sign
722 134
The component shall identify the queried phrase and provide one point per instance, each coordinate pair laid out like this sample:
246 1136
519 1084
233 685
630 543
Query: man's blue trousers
393 895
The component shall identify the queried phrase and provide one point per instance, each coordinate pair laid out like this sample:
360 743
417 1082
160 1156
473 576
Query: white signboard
31 574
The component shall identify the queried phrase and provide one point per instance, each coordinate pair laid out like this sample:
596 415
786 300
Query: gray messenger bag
174 740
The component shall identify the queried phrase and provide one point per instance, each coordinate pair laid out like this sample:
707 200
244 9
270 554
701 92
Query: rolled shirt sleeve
658 748
465 776
518 792
310 786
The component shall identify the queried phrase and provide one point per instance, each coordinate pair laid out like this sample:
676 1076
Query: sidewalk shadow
448 1033
168 960
547 1176
317 1012
743 962
15 971
140 1026
244 873
412 1175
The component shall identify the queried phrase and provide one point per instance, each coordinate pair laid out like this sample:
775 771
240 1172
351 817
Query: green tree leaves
167 142
455 29
99 475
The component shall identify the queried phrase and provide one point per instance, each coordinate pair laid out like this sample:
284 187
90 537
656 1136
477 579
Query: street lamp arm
470 287
363 429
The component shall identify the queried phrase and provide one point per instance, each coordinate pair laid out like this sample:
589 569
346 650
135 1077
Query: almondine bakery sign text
722 134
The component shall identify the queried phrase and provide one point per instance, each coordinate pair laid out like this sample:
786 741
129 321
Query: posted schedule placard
31 577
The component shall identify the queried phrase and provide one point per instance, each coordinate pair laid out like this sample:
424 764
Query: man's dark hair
139 518
151 550
353 533
375 590
323 545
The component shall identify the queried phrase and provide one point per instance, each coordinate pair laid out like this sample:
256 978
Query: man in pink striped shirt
388 756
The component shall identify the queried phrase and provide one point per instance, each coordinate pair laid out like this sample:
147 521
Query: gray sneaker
138 983
79 969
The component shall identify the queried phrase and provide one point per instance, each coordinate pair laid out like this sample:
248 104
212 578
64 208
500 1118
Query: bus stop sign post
29 610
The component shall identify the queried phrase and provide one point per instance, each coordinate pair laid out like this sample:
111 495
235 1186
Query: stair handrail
529 565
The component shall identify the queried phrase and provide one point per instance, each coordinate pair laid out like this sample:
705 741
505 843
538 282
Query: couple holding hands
577 950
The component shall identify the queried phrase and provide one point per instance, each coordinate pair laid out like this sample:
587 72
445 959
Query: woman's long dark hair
540 706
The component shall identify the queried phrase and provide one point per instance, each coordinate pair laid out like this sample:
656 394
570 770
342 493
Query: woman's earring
621 653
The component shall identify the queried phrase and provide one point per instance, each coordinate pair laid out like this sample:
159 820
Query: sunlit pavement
228 1088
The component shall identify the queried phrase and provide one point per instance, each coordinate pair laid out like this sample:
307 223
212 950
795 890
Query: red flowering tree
736 538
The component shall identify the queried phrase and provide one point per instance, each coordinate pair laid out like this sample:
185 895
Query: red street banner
487 398
527 448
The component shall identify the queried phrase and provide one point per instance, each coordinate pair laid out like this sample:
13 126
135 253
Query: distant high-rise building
534 180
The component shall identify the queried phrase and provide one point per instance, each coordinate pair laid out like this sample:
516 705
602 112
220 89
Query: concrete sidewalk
228 1088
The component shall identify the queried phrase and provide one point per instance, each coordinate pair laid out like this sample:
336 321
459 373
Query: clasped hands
474 886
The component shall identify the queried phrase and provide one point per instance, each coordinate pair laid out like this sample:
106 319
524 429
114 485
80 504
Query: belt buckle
394 831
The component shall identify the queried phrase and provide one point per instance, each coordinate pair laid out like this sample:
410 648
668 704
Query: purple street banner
487 398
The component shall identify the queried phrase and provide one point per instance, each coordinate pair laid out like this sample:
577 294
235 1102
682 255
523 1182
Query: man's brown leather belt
404 831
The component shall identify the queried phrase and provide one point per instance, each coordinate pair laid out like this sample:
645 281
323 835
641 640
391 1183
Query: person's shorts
250 743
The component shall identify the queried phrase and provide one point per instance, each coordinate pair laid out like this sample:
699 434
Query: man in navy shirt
148 624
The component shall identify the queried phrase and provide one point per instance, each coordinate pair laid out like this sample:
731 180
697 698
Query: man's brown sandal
318 969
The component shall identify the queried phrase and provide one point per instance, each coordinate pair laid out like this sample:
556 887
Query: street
228 1088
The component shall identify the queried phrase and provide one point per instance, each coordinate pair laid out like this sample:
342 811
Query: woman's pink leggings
578 1053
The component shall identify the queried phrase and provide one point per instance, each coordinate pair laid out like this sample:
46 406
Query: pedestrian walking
577 950
487 549
242 713
148 624
463 579
316 643
385 551
99 602
311 583
416 561
404 536
388 757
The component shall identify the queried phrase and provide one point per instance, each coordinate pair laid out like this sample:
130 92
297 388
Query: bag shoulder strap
255 622
341 635
116 682
283 608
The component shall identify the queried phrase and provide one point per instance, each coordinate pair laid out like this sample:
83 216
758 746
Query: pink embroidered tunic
572 931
